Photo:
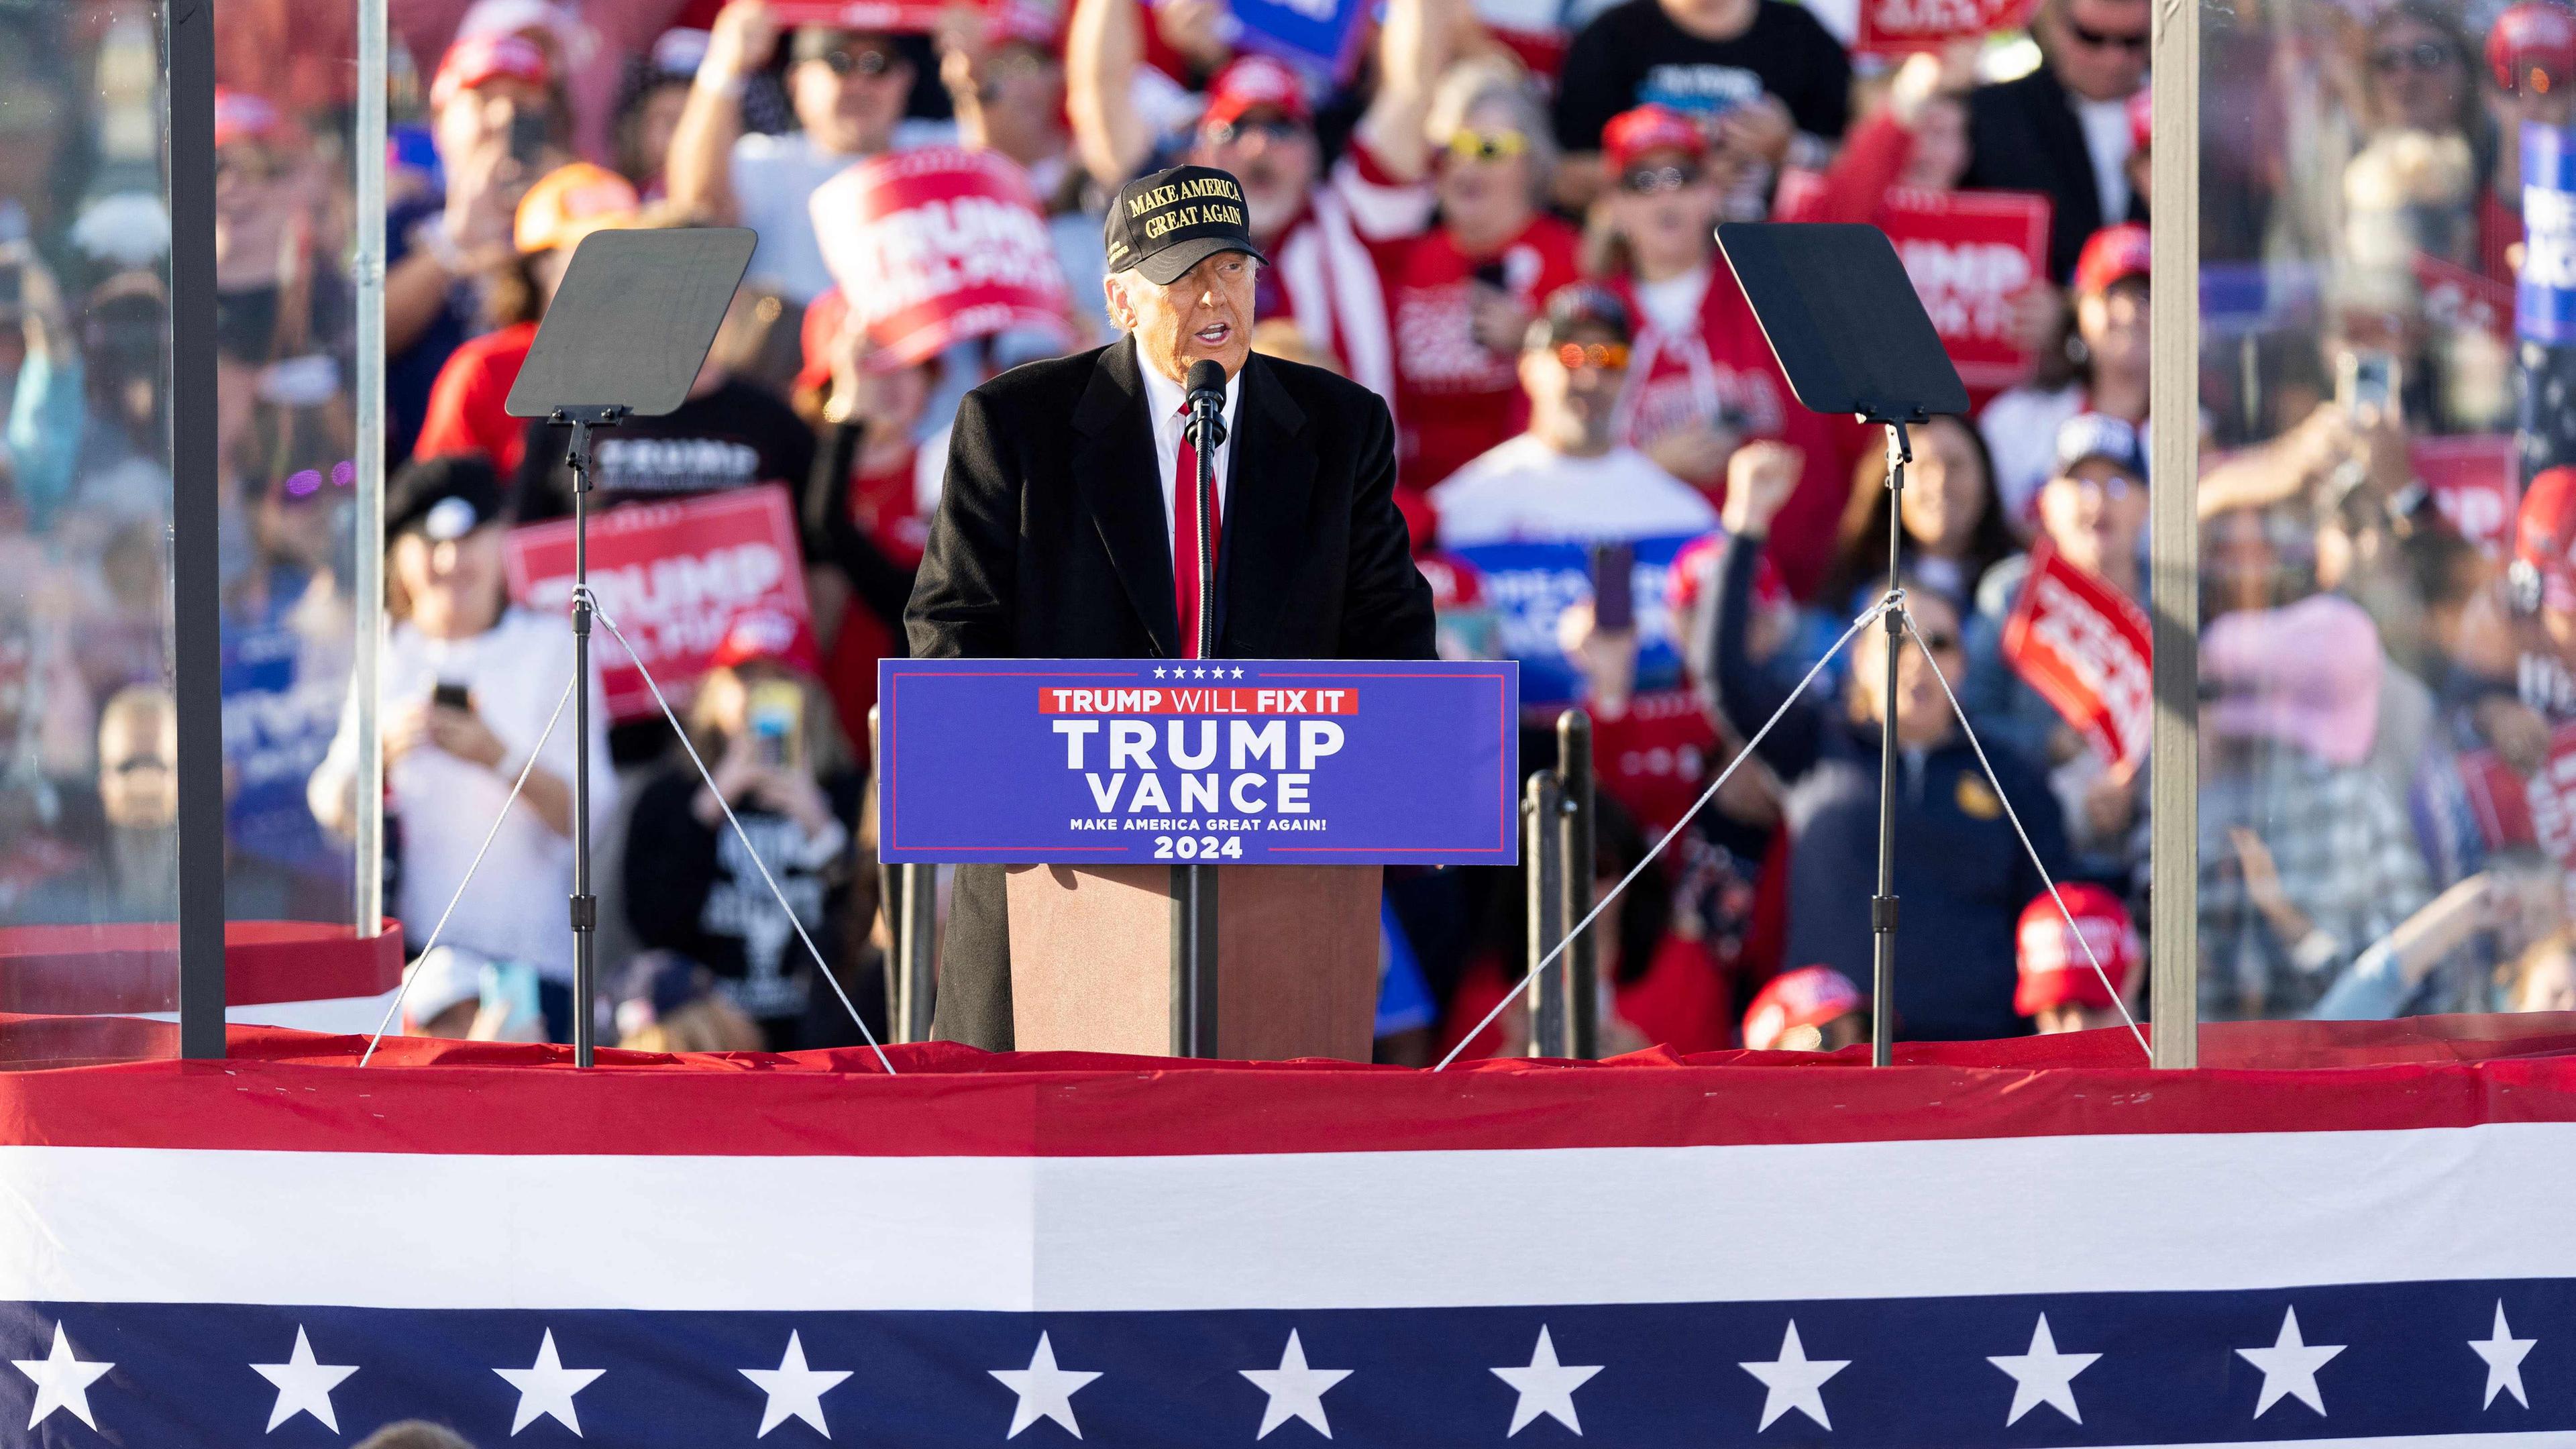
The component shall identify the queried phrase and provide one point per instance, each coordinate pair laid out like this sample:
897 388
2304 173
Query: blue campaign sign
1531 586
2544 304
1119 762
1316 33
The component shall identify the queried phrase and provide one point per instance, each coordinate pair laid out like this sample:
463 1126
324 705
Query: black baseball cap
1166 223
1579 306
445 497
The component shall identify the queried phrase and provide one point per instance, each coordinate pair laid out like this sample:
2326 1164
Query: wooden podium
1094 959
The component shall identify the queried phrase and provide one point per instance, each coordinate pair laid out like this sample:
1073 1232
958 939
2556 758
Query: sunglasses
2113 488
1225 133
1608 356
869 63
138 764
2135 43
1648 180
2425 56
1487 145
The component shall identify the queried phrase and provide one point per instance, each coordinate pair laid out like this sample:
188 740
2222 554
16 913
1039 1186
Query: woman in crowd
470 686
1701 377
1960 867
768 734
2100 366
1955 528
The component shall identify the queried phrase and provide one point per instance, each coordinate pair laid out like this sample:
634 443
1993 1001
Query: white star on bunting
546 1388
1158 674
62 1381
303 1386
794 1390
2290 1366
1046 1392
2503 1353
1238 673
1296 1391
1794 1381
2043 1375
1546 1386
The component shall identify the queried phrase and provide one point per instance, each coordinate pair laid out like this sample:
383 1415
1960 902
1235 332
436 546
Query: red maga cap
1648 129
1809 996
1250 83
2055 971
2533 44
481 59
2114 254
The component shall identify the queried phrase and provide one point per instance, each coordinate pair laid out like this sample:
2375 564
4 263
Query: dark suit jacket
1051 542
2023 136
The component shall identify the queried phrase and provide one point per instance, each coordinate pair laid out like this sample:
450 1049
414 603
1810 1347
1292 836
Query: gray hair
1494 80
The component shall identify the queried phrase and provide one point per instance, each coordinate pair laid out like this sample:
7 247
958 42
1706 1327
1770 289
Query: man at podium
1070 495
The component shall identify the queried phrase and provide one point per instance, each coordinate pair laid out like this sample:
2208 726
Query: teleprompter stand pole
585 902
1882 906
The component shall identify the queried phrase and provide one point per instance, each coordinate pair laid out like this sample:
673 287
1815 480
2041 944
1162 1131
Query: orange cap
569 203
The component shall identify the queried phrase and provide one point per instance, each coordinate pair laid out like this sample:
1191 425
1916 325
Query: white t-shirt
2020 429
1527 492
515 671
1163 403
2106 140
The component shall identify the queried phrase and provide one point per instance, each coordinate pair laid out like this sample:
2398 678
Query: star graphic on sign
2503 1353
2290 1366
1546 1386
303 1386
546 1388
1046 1392
795 1391
1296 1391
1198 674
1794 1381
62 1381
1238 673
1158 674
2043 1375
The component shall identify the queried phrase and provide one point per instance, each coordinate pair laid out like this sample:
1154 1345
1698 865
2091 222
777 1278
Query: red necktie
1185 540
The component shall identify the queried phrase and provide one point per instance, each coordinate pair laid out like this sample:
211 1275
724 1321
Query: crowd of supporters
1498 217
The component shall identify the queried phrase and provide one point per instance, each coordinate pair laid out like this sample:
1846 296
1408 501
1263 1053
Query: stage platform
2331 1234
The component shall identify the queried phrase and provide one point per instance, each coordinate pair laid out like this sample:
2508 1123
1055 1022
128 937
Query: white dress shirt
1163 402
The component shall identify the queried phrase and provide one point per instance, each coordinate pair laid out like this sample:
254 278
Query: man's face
1021 89
850 98
1665 201
2113 324
1272 154
481 116
1573 388
2100 48
2094 513
138 780
2417 75
1483 174
1205 314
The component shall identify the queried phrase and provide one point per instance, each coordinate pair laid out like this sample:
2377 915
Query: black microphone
1205 389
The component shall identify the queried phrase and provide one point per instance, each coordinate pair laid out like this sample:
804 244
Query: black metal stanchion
1542 822
1194 919
1577 824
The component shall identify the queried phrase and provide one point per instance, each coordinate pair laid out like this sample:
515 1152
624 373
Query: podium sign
1235 761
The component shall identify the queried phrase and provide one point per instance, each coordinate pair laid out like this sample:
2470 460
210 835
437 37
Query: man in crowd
1565 478
1764 79
2063 129
1068 527
847 88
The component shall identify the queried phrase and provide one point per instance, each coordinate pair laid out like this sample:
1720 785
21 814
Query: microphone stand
1882 907
1194 929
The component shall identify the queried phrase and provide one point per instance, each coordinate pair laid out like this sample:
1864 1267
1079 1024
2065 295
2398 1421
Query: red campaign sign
882 16
2459 300
2471 479
2085 647
939 245
1898 27
1969 255
677 577
2551 795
